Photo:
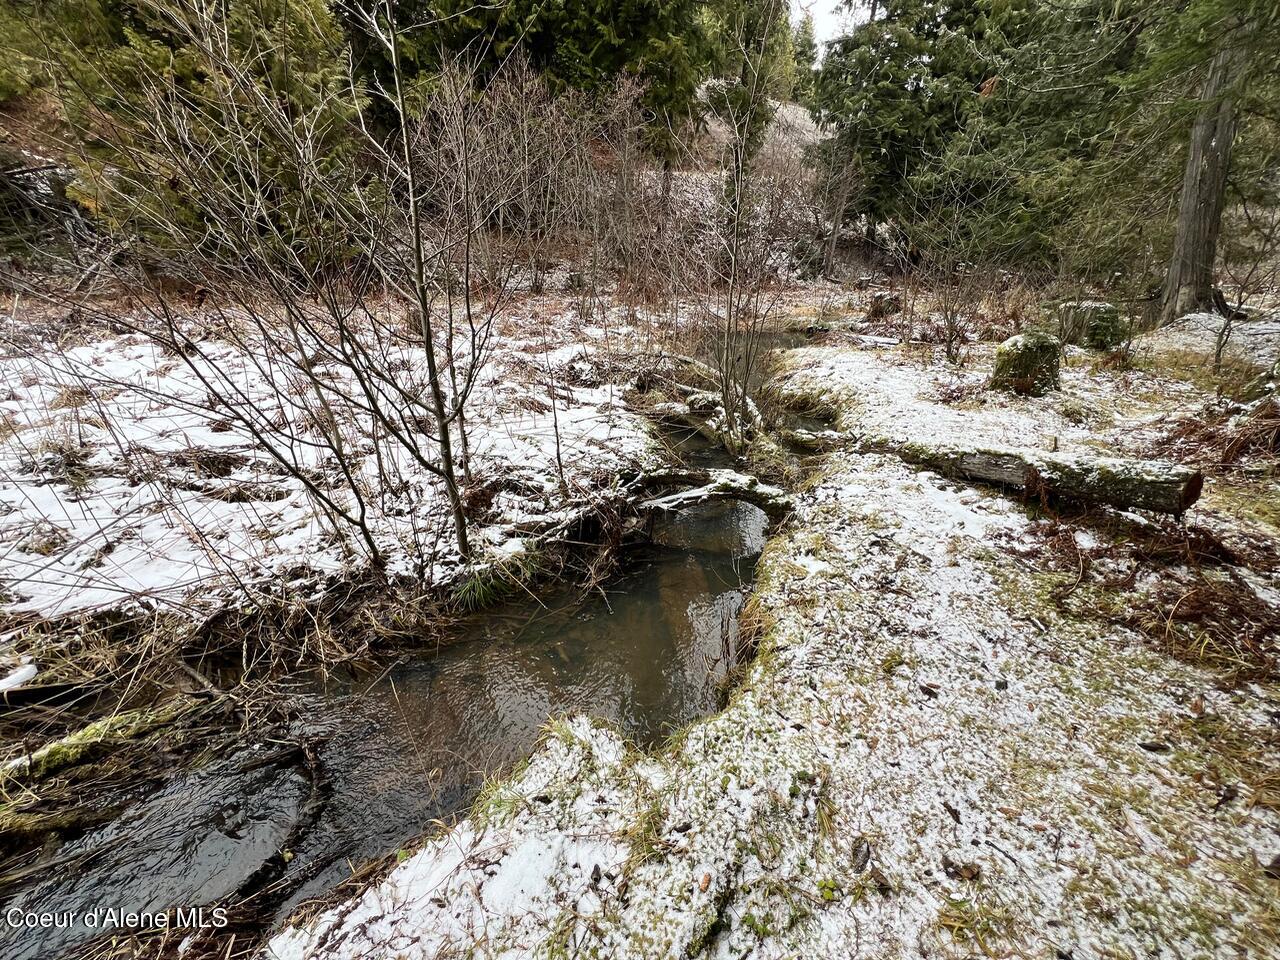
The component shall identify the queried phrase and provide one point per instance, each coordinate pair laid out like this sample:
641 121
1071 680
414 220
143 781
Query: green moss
92 740
1098 326
1027 363
891 662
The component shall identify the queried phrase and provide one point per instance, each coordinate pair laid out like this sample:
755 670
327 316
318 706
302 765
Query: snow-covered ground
1255 341
122 484
928 757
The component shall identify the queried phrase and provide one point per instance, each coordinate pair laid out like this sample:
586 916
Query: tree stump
1027 364
884 304
1090 323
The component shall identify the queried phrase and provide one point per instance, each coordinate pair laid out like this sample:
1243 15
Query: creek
393 751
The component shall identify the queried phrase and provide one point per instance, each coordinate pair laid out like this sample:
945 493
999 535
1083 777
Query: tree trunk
844 191
833 239
1189 283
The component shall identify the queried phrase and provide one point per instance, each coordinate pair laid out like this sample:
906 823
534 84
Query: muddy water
401 749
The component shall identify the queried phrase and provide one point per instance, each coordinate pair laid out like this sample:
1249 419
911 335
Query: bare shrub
362 320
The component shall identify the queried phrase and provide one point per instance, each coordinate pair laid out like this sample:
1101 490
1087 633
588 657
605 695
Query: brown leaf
960 871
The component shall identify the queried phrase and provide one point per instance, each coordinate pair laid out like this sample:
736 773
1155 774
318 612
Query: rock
1091 323
1027 363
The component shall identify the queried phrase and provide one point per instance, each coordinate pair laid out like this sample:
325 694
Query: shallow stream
394 751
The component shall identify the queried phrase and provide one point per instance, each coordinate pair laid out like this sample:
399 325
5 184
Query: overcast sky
829 17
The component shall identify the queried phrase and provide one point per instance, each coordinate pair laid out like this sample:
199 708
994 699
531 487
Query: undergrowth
1178 586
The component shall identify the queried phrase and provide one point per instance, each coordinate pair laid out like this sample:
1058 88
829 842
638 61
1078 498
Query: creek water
409 745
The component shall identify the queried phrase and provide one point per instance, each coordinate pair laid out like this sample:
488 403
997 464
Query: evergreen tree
220 78
805 58
1232 48
585 44
892 94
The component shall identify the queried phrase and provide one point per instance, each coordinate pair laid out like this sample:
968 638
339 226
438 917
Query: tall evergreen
805 56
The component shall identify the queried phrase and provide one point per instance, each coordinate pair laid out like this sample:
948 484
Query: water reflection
413 746
646 655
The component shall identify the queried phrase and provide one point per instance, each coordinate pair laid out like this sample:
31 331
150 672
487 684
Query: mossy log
815 441
706 486
1154 485
1142 484
90 741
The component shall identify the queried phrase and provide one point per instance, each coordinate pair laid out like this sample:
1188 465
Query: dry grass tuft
1179 587
1222 438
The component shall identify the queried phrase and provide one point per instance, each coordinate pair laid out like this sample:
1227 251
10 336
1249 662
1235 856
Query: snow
19 675
926 758
122 486
1255 341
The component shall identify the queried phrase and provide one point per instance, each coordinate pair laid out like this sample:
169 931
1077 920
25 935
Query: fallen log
91 741
1154 485
705 486
1118 482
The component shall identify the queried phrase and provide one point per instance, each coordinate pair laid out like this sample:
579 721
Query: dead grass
70 398
1216 621
1223 438
1227 757
1194 367
1178 586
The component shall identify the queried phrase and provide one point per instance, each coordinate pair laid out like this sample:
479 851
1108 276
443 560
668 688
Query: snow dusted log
1144 484
709 485
1154 485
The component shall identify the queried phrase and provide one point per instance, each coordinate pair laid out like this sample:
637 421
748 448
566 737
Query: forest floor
973 725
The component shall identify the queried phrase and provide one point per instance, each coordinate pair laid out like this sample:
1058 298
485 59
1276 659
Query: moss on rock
1263 384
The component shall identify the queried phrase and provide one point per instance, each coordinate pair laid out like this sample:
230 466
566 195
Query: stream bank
929 755
376 757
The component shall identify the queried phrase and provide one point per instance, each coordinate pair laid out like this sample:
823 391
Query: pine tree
891 94
1231 45
167 63
805 55
583 44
